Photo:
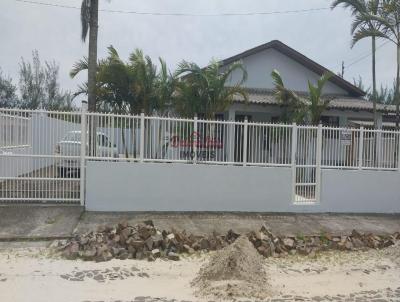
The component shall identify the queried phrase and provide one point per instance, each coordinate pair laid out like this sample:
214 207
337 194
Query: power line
366 56
181 14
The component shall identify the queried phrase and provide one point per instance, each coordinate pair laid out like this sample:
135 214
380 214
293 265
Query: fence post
318 159
398 150
194 139
141 149
361 148
83 153
294 151
245 141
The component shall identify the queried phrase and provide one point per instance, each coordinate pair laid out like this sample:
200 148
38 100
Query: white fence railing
42 153
167 139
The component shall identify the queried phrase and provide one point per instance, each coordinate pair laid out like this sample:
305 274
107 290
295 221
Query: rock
356 234
104 256
149 222
357 243
157 238
171 236
88 254
267 249
231 236
116 251
204 244
116 238
144 231
173 256
137 244
71 251
124 235
144 240
156 253
288 243
267 232
124 255
303 250
149 243
188 249
140 255
348 245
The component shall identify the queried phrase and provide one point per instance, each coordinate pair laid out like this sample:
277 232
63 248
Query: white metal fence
43 153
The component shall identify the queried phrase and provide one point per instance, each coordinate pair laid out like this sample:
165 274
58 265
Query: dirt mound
235 271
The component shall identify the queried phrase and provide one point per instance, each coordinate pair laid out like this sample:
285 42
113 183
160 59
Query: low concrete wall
179 187
360 191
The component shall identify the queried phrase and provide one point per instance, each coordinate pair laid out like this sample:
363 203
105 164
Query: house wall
185 187
264 113
260 65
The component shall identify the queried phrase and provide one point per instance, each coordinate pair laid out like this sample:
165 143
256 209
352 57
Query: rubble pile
145 241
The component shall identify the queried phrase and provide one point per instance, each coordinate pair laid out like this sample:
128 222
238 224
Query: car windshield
73 137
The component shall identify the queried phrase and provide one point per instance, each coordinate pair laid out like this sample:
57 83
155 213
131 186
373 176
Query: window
103 140
332 121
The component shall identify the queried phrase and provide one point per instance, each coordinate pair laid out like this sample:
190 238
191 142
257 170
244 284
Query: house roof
300 58
266 97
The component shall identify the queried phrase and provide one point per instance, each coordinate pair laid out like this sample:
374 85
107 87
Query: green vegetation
39 87
302 109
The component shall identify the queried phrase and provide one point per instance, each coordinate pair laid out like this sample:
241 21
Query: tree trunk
93 29
92 68
374 81
398 88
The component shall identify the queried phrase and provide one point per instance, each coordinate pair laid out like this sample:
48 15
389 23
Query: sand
31 275
236 271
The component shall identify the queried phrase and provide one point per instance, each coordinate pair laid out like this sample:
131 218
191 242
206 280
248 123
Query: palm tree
89 20
145 73
165 87
360 10
318 104
388 19
205 90
293 105
308 108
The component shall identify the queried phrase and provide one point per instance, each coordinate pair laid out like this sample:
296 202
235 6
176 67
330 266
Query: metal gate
40 156
306 159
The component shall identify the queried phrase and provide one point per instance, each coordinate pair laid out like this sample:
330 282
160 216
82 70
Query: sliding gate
39 156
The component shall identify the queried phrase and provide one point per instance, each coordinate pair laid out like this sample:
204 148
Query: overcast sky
323 36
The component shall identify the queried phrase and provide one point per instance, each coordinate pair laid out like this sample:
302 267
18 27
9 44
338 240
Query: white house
348 106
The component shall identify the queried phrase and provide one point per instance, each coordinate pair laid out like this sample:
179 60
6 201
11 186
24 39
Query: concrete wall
181 187
184 187
360 191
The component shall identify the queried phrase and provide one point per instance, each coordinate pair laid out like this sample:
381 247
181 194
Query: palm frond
236 66
85 18
363 33
79 66
356 6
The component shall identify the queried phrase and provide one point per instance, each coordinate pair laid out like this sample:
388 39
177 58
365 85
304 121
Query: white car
71 146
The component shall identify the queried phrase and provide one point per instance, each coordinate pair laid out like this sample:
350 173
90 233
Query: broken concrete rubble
145 241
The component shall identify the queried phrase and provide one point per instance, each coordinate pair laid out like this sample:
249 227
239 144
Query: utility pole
342 73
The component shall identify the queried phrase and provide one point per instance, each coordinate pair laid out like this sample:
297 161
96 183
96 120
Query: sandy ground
31 274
